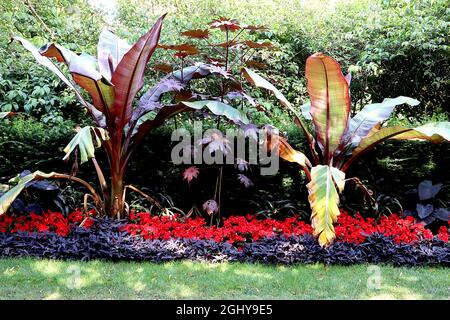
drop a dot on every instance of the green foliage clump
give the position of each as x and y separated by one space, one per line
26 143
26 86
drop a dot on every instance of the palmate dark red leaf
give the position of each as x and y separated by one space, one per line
196 34
163 67
183 50
225 24
128 76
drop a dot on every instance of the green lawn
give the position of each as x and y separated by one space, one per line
48 279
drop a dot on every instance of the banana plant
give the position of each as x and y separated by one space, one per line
112 80
338 139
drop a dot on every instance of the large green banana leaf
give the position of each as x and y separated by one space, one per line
324 187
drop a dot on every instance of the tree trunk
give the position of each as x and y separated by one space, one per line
117 204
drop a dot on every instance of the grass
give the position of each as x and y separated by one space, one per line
50 279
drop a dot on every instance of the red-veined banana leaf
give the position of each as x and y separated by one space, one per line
84 72
306 107
83 69
86 140
110 51
435 132
258 81
324 187
128 76
330 101
361 124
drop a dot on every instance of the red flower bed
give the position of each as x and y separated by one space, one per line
235 229
47 222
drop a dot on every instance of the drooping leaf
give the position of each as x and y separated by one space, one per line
423 211
241 95
8 198
45 61
361 124
258 81
219 109
280 146
38 185
86 140
151 100
330 101
435 132
428 190
128 76
49 64
324 200
110 51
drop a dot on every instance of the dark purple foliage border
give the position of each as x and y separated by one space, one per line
105 242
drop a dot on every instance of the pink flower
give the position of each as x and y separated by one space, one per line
190 173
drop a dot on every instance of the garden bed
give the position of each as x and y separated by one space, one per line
391 240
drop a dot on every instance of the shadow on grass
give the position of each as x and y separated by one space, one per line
49 279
